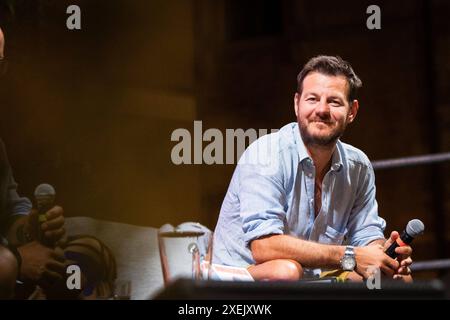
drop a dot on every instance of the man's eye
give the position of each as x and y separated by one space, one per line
311 99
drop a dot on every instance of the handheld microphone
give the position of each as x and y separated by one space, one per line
413 229
45 199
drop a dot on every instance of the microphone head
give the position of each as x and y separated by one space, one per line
44 190
415 227
44 194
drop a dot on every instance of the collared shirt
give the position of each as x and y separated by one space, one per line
272 192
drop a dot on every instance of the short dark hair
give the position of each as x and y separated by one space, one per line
333 66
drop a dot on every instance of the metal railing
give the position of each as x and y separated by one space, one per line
410 161
441 264
430 265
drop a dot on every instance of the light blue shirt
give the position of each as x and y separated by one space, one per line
272 192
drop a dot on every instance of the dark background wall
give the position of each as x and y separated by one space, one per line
92 111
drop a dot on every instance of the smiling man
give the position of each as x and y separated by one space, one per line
301 202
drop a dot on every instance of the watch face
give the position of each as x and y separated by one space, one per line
348 263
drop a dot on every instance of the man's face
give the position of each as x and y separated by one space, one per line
323 110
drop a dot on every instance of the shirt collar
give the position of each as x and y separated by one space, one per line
336 160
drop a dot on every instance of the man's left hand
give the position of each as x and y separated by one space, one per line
404 258
52 228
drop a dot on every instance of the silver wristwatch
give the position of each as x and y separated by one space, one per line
348 261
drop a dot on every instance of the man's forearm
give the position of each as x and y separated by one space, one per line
378 241
309 254
18 233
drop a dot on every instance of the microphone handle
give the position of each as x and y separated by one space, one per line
404 239
42 209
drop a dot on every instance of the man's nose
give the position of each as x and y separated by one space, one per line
323 108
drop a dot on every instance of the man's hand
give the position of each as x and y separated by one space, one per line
373 256
41 265
404 258
52 228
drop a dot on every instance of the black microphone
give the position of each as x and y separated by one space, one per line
413 229
45 200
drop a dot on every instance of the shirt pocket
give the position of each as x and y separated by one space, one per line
332 236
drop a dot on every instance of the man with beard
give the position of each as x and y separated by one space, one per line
300 201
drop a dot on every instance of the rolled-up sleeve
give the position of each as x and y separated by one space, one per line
263 202
12 205
16 204
365 225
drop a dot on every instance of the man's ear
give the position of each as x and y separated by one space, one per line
296 103
353 111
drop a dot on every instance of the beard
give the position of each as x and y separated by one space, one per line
321 139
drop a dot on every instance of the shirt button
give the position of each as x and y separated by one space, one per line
336 166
